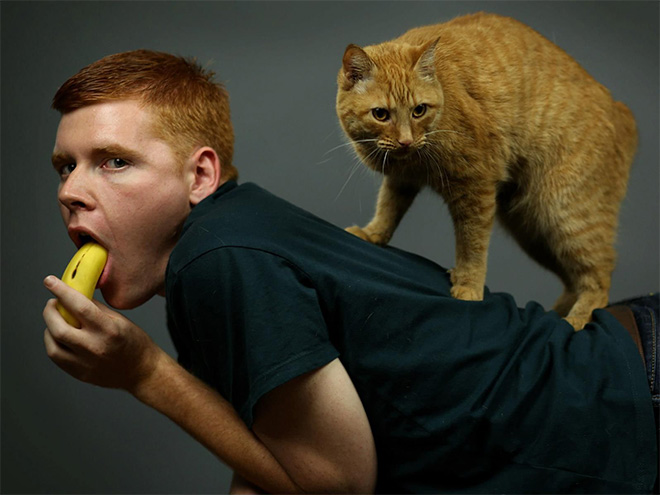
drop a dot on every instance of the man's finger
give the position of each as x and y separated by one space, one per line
60 332
57 351
63 357
76 303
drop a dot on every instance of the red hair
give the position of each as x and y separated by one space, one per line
190 109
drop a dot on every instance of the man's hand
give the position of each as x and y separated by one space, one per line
108 350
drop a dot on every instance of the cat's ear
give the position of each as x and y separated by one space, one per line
425 66
357 65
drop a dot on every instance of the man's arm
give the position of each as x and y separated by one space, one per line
316 427
111 351
241 486
208 417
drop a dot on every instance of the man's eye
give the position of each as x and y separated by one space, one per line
67 169
116 163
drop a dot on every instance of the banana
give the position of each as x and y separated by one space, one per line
82 273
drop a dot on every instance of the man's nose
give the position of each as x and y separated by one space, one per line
74 193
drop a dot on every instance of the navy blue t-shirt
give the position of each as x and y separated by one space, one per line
462 397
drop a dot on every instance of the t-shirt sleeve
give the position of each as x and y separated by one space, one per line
251 320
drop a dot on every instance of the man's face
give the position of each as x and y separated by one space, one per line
123 187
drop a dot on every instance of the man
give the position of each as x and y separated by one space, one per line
309 359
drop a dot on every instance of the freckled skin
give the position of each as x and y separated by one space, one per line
115 199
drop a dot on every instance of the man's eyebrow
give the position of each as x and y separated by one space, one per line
116 151
59 159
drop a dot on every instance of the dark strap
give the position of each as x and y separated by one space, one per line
626 317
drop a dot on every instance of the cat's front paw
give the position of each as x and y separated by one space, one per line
358 232
465 293
364 234
463 286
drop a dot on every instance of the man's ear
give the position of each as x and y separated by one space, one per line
205 169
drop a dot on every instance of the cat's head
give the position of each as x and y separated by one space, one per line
389 99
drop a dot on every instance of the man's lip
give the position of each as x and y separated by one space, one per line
104 275
81 236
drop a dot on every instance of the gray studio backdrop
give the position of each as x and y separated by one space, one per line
279 61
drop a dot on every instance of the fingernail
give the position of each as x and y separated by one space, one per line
49 281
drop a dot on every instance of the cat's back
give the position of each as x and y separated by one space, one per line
500 59
469 27
466 27
506 52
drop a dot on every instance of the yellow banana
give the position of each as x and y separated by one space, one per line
82 273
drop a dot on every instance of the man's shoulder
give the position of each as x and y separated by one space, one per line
241 217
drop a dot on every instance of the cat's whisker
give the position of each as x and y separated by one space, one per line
434 139
329 134
370 158
444 178
343 145
429 159
421 159
350 143
385 161
435 165
444 130
356 167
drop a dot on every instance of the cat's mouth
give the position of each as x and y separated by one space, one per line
386 156
390 160
400 152
404 150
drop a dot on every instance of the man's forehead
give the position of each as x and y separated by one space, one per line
120 125
111 116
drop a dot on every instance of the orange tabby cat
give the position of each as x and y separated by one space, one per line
499 121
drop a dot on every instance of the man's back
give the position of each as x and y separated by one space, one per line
260 292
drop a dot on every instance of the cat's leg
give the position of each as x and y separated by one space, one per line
394 199
595 255
565 302
576 245
473 213
572 234
583 243
592 288
537 244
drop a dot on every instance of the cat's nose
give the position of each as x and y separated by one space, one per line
405 135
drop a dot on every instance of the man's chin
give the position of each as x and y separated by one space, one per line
123 300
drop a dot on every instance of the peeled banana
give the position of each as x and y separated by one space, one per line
82 273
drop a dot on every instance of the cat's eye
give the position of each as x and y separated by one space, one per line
419 110
380 114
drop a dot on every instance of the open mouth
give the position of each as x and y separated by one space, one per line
82 237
